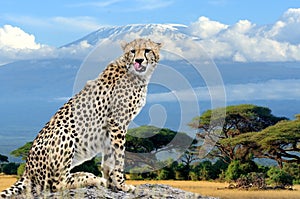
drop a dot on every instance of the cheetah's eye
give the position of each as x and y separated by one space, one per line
147 50
132 51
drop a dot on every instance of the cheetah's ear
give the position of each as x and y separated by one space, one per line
159 45
123 44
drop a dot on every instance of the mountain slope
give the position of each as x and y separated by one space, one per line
174 31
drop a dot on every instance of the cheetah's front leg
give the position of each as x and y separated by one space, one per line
113 165
83 179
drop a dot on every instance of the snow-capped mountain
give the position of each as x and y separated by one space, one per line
173 31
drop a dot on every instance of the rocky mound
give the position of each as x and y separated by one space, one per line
153 191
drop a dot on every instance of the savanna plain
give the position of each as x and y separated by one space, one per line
204 188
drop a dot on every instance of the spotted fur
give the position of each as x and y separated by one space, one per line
93 121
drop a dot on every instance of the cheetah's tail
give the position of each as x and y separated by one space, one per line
15 189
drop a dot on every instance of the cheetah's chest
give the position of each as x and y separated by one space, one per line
122 103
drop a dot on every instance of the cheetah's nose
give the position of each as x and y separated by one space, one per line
139 61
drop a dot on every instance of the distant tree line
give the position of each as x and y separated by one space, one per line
244 134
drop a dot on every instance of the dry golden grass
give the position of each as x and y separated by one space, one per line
211 189
203 187
6 181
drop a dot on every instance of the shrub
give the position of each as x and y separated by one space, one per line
236 168
193 175
279 177
204 171
10 168
219 168
263 169
294 170
135 176
181 172
233 171
222 176
21 169
164 174
89 166
142 173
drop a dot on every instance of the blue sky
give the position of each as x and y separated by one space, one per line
58 22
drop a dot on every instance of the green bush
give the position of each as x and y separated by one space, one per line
236 169
233 171
201 171
279 177
248 167
263 169
222 176
218 169
294 170
21 169
88 166
135 176
206 170
181 172
193 175
10 168
142 173
164 174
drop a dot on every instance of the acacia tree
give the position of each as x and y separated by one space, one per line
190 156
145 143
280 142
22 151
238 120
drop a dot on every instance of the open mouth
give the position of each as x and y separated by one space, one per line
139 67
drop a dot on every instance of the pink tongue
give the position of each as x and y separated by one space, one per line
137 66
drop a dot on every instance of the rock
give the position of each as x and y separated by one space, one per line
149 191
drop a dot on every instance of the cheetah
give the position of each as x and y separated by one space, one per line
93 121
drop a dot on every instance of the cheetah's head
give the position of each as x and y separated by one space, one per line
141 56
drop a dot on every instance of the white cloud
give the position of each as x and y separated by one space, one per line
15 44
15 38
270 90
287 29
242 27
79 50
205 28
245 41
242 44
238 57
